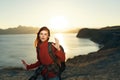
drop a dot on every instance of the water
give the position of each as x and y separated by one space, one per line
13 48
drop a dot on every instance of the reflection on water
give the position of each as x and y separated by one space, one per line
13 48
60 37
74 46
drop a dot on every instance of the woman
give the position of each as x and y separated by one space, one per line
43 57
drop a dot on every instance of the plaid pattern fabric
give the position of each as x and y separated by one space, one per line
37 72
53 68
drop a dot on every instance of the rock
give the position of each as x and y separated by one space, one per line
108 37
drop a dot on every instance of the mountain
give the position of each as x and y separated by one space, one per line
30 30
19 30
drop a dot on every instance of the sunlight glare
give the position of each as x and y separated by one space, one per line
59 36
59 23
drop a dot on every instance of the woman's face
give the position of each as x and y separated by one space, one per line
43 35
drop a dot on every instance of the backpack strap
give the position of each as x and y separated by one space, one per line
51 52
54 58
52 55
38 52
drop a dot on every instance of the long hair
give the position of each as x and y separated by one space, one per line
37 40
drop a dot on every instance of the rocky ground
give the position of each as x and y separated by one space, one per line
105 66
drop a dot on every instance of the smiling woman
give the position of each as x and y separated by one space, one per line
59 23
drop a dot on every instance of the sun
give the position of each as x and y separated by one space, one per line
59 23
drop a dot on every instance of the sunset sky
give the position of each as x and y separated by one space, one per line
59 13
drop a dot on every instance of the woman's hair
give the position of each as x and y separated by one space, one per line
37 40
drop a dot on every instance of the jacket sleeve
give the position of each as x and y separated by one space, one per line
34 65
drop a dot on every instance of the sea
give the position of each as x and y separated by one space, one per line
17 47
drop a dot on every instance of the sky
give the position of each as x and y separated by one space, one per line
64 14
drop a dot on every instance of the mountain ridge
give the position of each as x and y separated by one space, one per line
31 30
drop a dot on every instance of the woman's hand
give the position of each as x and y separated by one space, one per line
56 45
24 63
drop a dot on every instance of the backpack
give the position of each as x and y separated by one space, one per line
63 65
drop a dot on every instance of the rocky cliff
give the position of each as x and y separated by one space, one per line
109 37
103 64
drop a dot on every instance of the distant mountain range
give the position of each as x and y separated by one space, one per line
19 30
28 30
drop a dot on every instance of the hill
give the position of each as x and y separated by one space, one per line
20 30
30 30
